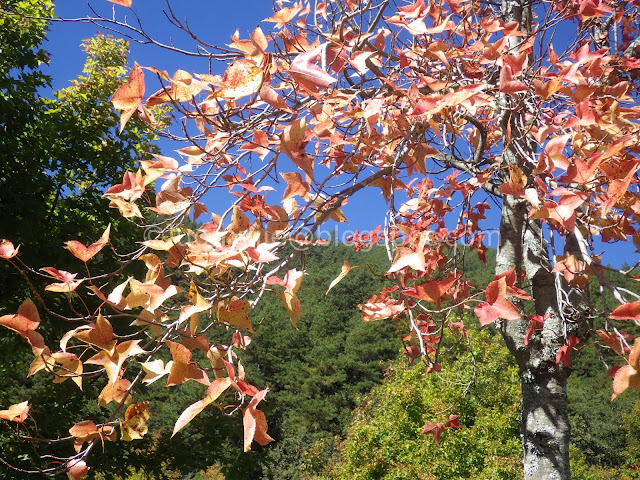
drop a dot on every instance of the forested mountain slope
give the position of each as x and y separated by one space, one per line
332 365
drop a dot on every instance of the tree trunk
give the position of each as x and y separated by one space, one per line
545 423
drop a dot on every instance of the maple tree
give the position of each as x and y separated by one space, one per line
452 109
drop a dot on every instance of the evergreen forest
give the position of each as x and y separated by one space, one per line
346 403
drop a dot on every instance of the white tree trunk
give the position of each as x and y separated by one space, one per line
545 422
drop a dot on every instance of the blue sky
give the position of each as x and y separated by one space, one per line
215 21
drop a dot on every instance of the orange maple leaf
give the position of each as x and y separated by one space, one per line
16 413
285 15
134 425
129 95
628 311
113 361
433 290
291 284
25 321
255 423
628 375
183 368
77 468
292 142
497 305
381 310
242 78
217 388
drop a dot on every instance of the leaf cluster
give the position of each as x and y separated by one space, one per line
59 151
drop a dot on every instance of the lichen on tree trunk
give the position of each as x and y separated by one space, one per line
545 423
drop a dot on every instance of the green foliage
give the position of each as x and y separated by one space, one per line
602 430
597 423
211 473
21 34
583 469
317 373
134 473
385 443
605 435
474 269
58 155
59 159
481 385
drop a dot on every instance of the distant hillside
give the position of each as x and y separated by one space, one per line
319 373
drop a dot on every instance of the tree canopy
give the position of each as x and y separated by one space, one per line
59 151
466 116
385 442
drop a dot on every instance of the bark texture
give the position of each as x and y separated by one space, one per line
545 422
